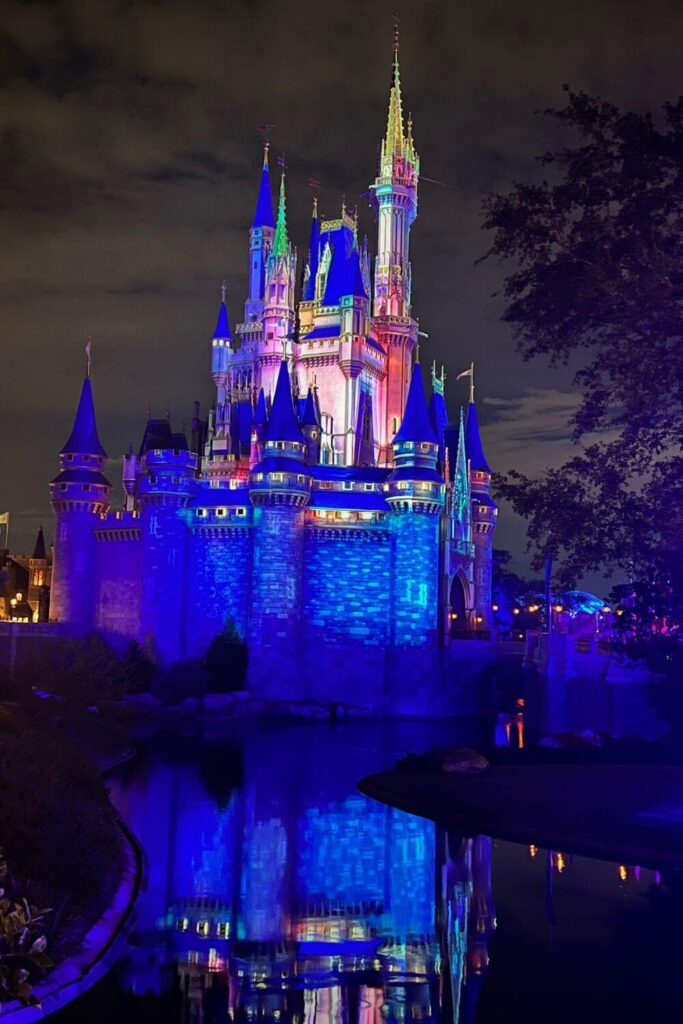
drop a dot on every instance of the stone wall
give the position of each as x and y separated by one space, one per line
118 596
219 572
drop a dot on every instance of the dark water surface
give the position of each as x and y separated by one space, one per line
276 892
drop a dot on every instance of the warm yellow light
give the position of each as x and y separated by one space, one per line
480 618
558 608
533 850
607 609
515 611
561 864
531 608
623 872
13 602
620 611
19 596
494 607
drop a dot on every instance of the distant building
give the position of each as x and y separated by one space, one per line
325 507
25 584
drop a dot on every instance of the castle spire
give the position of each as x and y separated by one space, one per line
416 426
39 547
313 254
394 139
282 422
84 439
263 217
281 242
473 445
223 324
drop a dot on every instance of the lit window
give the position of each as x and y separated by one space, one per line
277 478
241 511
183 924
368 487
220 511
223 929
203 929
300 478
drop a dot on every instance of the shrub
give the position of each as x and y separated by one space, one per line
226 660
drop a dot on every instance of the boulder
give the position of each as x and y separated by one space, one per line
464 761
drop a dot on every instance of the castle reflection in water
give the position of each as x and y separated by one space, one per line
276 891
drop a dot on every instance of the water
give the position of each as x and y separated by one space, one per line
276 892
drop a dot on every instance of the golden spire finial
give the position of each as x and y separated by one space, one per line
266 147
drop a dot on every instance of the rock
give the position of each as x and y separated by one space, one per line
464 761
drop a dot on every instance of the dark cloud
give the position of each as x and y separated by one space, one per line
128 165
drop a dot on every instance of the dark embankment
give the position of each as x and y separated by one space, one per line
628 812
59 832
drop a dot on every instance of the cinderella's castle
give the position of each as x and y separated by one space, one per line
326 508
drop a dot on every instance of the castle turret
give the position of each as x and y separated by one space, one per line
221 351
80 495
279 310
395 199
310 427
280 485
484 514
165 485
260 244
258 426
39 579
416 497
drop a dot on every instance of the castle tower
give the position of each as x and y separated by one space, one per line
38 577
279 310
80 495
261 237
395 199
221 350
416 497
310 428
279 488
165 486
258 426
484 514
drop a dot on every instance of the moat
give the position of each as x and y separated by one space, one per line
275 891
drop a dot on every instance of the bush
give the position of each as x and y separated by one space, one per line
226 660
57 826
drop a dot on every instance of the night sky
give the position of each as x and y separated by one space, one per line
128 170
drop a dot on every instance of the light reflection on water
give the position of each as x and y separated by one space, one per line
276 892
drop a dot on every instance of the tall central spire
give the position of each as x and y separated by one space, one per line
394 139
281 242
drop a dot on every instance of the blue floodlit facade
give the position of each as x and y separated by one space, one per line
325 507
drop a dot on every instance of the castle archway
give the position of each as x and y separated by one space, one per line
459 603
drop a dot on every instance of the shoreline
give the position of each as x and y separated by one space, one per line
556 807
101 946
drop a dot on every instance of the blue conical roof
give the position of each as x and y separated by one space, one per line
473 448
83 439
261 412
282 422
354 284
222 324
438 415
309 416
313 257
416 426
263 217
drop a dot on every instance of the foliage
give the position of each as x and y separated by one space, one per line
180 681
57 825
22 944
648 622
137 669
73 674
599 278
226 660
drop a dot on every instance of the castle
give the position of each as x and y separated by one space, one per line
326 508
